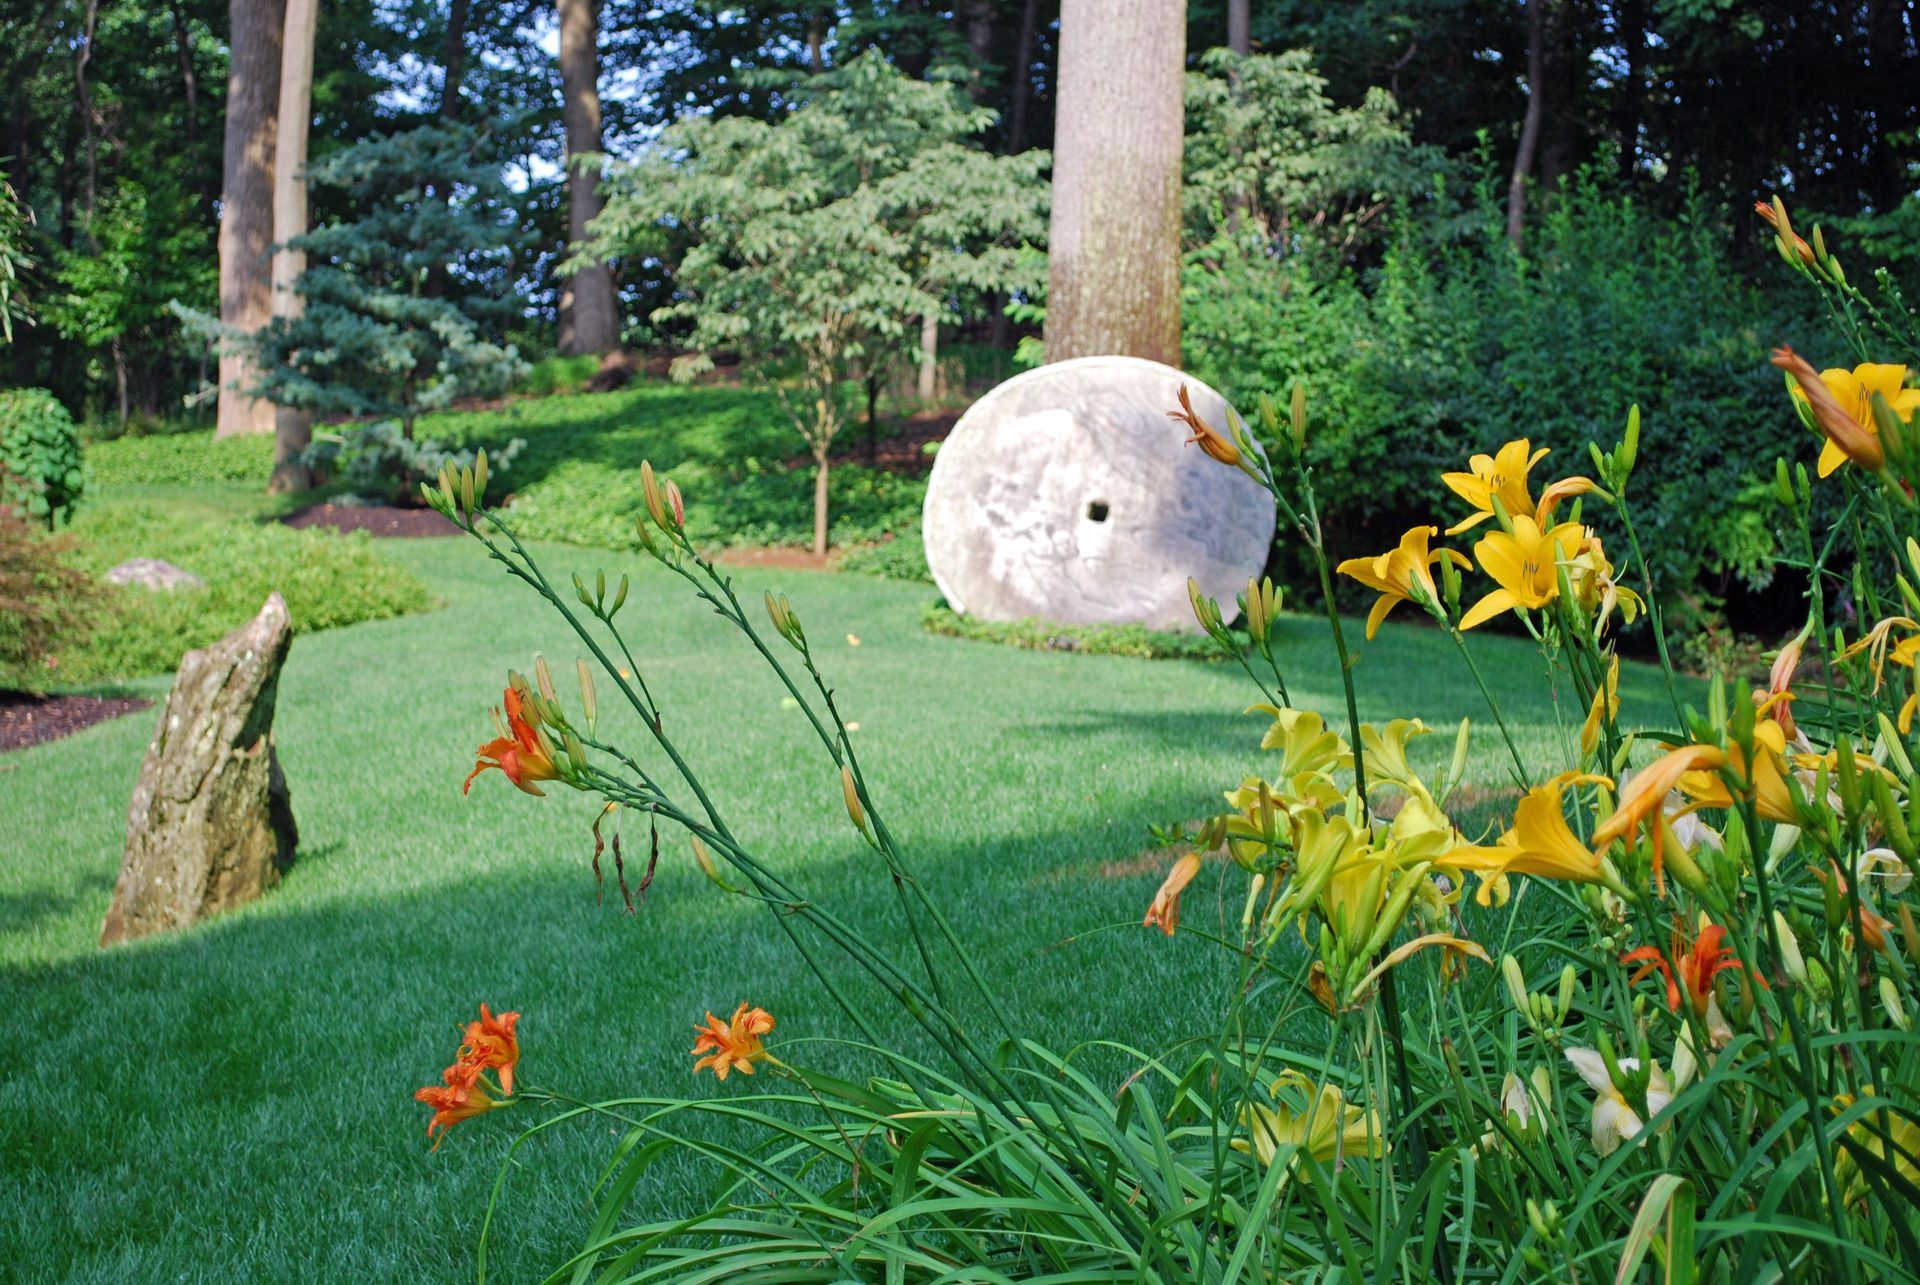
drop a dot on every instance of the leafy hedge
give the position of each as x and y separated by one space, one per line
181 459
1456 347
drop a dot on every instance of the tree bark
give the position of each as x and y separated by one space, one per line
589 319
246 211
820 501
292 426
1022 73
1523 157
1240 26
975 20
189 82
929 355
456 59
1113 279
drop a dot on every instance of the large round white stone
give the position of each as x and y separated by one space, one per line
1068 494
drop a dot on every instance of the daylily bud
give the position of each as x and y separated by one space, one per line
1791 960
466 489
599 587
1297 416
1569 980
646 536
1890 1000
704 859
1628 451
544 676
678 505
576 752
480 476
650 490
777 614
619 598
1516 987
589 699
857 813
580 592
1782 484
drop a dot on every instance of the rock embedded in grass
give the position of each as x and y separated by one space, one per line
154 573
211 823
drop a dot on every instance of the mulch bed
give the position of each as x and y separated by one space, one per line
381 520
29 720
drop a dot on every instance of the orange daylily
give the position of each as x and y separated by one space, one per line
490 1044
1644 798
1696 967
462 1097
522 753
1205 436
1401 575
1842 405
1771 218
1772 797
733 1044
1524 563
1164 913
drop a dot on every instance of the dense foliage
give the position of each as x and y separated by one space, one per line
41 472
43 601
379 461
816 246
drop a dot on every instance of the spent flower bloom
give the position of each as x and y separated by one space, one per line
1208 438
522 751
732 1045
1328 1128
1164 912
1614 1120
491 1044
1841 403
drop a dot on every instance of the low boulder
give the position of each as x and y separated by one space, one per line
154 573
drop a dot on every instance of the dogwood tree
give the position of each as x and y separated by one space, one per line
816 244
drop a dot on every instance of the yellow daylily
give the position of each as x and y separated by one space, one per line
1540 843
1599 593
1841 403
1904 1133
1328 1129
1404 574
1524 563
1502 474
1773 800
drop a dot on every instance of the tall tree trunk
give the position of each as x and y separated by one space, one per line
1523 157
1022 73
246 204
816 42
820 501
189 82
589 319
292 427
1240 26
83 103
456 59
975 20
1113 277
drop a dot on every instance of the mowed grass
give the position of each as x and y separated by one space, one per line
235 1101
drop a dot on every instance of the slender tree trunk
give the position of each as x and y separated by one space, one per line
975 20
1240 26
1633 41
1113 279
589 318
246 210
873 417
816 43
820 500
189 82
292 426
1022 73
83 103
929 355
456 59
1523 158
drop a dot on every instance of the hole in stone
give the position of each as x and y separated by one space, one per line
1097 511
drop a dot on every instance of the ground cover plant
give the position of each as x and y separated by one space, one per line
1751 1111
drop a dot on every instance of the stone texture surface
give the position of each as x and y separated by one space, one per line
154 573
1066 493
211 825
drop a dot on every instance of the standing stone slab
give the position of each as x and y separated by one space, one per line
211 826
1068 494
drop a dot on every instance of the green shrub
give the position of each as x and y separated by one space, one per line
1456 347
902 558
181 459
552 375
380 461
40 466
328 580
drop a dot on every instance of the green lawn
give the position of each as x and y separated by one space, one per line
235 1101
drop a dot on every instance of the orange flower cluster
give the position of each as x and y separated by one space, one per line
522 752
732 1045
487 1045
